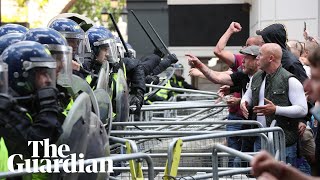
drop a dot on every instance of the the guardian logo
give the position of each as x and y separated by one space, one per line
50 162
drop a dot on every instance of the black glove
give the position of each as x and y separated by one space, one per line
152 79
158 52
46 100
173 58
137 100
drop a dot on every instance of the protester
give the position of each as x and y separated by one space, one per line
272 95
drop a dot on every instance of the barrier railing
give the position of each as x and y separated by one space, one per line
176 143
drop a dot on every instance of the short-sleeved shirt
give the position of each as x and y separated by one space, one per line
240 79
238 58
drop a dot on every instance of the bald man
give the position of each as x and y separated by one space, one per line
277 33
274 93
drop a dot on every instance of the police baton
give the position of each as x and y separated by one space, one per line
119 33
144 29
155 32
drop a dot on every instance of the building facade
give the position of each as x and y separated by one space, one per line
189 26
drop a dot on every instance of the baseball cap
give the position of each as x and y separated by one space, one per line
250 50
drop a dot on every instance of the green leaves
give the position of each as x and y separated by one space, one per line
92 9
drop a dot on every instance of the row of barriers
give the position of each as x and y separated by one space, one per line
178 140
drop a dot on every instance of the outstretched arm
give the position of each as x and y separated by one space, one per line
214 76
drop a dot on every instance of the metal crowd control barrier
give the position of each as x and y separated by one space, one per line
215 171
178 146
173 98
220 173
182 90
170 110
117 158
186 123
175 106
193 116
131 147
274 141
174 149
170 132
156 123
219 147
184 161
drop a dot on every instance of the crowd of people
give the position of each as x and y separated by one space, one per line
271 79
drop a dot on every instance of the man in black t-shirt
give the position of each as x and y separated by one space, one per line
238 79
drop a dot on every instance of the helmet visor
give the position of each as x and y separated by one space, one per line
178 71
44 77
112 54
76 44
63 58
73 35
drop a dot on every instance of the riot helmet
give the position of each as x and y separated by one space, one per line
59 50
12 28
178 69
74 35
102 44
30 67
8 39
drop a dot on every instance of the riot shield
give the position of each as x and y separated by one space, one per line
76 128
103 79
79 85
98 146
164 77
105 107
122 98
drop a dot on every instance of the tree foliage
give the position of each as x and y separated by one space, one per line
22 12
41 3
92 9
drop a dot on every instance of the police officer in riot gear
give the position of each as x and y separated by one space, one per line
76 38
177 80
103 48
62 53
100 38
30 111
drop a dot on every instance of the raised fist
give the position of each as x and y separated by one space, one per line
235 27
